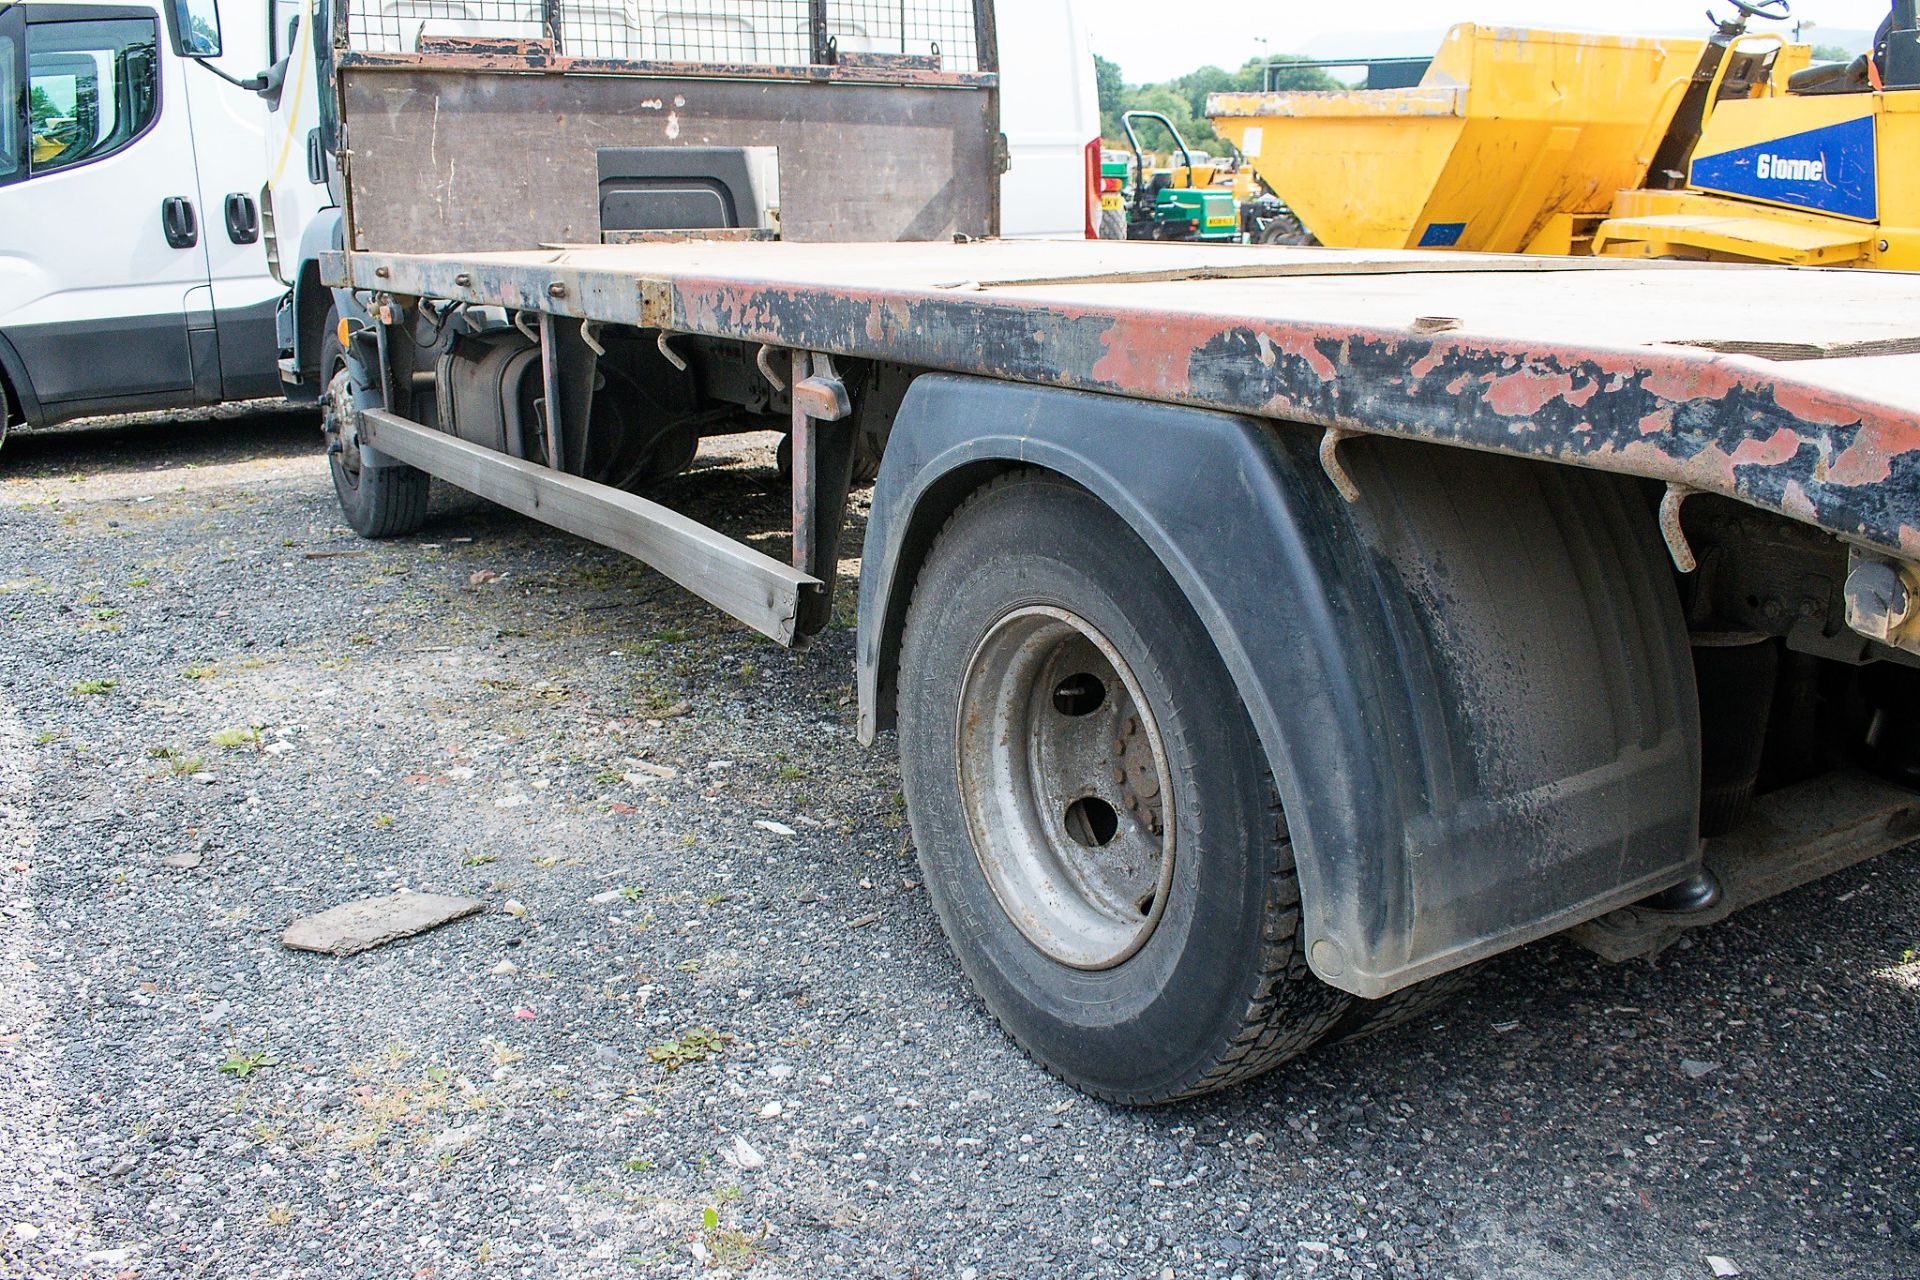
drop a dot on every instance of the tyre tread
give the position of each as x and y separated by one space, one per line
1288 1009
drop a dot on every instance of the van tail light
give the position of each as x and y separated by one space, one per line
1093 189
1109 186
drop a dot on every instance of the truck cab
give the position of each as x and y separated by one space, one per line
132 276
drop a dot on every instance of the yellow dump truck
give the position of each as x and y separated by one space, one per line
1734 147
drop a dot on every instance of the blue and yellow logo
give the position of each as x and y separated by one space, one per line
1828 170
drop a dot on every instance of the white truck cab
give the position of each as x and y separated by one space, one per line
132 275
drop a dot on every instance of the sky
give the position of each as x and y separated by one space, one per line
1152 40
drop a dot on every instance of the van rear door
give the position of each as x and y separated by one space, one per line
229 137
1050 113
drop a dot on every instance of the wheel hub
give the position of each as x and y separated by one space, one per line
1064 781
340 420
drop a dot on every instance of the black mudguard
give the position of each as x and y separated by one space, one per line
1473 685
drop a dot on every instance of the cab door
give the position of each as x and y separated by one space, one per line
229 135
296 160
105 229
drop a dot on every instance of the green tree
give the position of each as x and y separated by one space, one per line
1183 100
1107 82
1831 53
1290 77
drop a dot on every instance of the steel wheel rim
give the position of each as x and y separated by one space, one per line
341 421
1064 783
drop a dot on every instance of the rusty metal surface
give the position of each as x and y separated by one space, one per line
464 162
469 54
1602 369
768 596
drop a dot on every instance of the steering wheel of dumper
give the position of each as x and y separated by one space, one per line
1772 10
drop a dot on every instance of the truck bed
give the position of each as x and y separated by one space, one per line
1794 390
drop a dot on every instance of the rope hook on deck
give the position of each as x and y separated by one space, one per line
674 358
1670 529
590 334
1330 462
763 360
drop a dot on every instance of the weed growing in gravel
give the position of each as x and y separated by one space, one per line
695 1044
383 820
45 738
240 1064
182 763
204 671
479 859
731 1250
238 738
139 580
94 688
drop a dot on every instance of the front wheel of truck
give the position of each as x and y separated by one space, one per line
379 501
1093 812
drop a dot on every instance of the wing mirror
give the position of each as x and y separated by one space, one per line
195 27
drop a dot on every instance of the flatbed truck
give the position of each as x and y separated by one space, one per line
1270 634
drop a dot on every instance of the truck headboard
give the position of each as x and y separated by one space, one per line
471 125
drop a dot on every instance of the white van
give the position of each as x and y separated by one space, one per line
132 276
1050 113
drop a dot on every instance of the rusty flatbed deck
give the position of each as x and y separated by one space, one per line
1794 390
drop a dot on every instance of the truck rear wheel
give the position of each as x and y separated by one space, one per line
378 502
1092 809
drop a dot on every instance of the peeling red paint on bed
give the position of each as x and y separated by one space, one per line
1428 363
1758 431
1777 448
1140 355
1525 392
1306 346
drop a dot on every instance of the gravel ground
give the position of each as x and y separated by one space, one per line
679 1042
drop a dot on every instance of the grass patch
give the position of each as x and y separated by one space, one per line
94 688
182 763
236 739
695 1044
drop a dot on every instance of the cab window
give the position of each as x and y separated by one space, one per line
92 87
10 162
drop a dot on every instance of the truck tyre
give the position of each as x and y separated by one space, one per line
1113 224
1093 813
1365 1018
378 502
